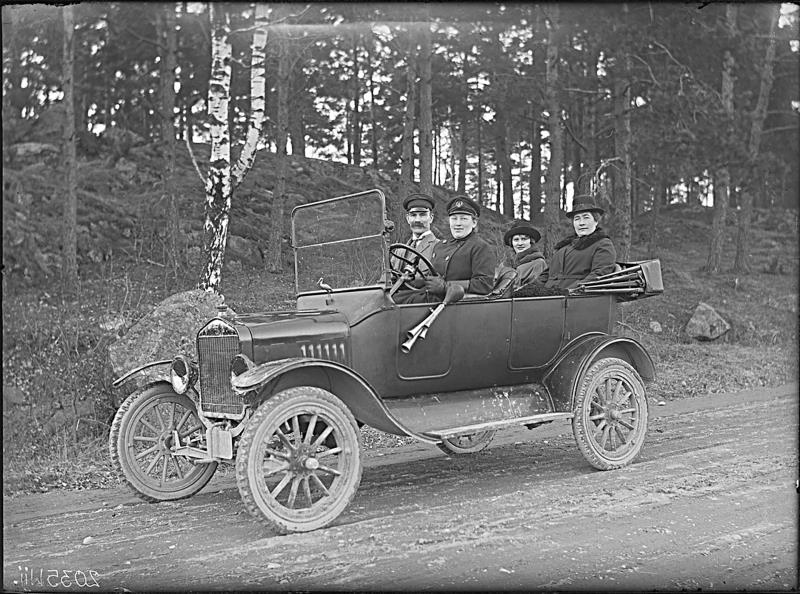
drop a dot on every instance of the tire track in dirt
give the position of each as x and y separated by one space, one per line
713 493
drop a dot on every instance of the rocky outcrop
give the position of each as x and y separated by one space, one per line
168 330
706 324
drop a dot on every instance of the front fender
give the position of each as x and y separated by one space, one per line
119 381
564 376
259 383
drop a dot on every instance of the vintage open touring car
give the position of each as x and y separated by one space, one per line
284 393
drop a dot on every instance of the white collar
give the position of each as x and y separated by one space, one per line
428 232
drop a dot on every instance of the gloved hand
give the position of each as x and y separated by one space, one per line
435 285
418 282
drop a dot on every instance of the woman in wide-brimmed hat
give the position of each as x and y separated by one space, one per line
588 253
528 259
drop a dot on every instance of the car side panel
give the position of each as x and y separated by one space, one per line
537 331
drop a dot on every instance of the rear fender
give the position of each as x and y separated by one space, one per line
564 376
260 383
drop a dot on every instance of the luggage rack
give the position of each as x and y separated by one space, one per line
633 280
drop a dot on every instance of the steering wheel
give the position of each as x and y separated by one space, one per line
410 270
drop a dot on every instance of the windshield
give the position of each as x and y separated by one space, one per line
339 241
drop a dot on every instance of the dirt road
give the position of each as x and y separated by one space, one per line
712 503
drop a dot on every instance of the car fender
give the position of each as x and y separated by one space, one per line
120 380
564 375
260 382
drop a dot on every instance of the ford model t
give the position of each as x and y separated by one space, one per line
284 394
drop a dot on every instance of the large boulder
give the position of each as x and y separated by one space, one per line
706 324
168 330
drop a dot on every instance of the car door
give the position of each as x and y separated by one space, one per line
465 348
537 331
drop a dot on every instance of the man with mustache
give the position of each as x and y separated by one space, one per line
419 216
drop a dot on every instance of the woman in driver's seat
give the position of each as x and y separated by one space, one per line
465 259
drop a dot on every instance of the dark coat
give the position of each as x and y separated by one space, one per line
581 258
529 265
469 259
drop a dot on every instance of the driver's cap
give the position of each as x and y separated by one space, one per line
418 203
463 205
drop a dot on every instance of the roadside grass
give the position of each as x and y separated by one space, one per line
55 348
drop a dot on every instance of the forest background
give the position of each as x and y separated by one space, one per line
151 148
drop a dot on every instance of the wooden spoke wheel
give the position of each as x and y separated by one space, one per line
610 422
466 444
141 444
299 460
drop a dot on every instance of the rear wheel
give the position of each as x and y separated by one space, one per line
299 460
467 444
610 422
141 443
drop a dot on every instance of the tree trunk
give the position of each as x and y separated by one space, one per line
622 148
356 104
741 262
258 96
168 40
535 200
407 155
218 186
659 192
425 113
373 125
504 181
282 127
722 178
553 184
479 126
70 249
461 186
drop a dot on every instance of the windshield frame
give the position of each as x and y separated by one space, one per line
383 235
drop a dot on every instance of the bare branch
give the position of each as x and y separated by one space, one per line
575 138
574 90
794 128
133 33
194 160
652 76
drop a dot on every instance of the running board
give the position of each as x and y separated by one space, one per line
501 424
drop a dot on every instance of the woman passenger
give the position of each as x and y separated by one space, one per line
587 254
528 259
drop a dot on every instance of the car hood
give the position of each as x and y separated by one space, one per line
294 325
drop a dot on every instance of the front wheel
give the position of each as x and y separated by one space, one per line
610 422
299 460
467 444
141 444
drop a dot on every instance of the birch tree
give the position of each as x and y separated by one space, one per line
222 177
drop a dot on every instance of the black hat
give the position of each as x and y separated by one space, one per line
583 203
418 201
521 229
463 205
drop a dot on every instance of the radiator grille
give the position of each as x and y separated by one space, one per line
214 353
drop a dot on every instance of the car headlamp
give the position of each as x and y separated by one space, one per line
182 374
